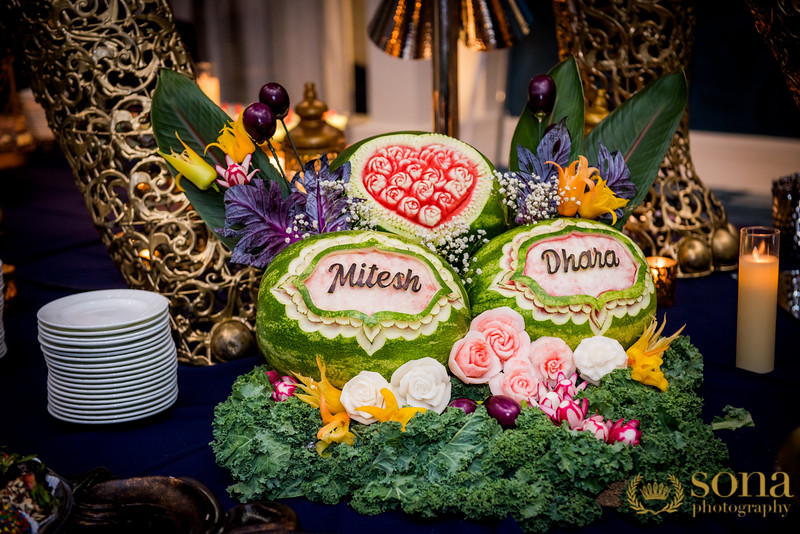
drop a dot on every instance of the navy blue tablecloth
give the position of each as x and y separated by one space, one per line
47 234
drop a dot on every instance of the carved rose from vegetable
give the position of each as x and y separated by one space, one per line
473 360
597 356
504 330
518 381
422 383
364 389
550 357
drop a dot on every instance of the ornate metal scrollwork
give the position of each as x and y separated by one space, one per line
620 48
93 66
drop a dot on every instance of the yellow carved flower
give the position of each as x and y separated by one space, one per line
315 390
191 165
583 192
644 356
235 141
391 412
600 199
336 429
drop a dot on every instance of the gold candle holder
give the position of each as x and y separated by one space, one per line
664 271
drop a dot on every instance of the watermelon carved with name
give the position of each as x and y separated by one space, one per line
361 300
569 278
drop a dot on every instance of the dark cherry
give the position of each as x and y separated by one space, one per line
541 94
275 96
259 121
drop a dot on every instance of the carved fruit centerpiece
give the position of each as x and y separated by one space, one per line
362 301
572 278
426 186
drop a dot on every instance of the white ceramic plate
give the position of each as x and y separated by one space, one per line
158 336
104 333
114 372
103 364
117 418
114 385
103 341
102 310
121 403
111 411
73 394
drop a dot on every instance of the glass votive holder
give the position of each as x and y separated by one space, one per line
758 298
665 272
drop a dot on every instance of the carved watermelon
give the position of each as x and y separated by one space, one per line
362 301
569 278
425 186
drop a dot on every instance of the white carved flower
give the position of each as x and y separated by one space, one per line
422 383
597 356
364 389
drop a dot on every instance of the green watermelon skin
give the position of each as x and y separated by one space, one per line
490 219
291 347
484 293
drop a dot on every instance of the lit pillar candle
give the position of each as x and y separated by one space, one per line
758 299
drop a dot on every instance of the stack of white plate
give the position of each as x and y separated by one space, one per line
110 356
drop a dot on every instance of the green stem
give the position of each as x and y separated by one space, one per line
289 137
277 161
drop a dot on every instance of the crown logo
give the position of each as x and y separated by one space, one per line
655 491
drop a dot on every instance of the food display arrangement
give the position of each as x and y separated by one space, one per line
441 337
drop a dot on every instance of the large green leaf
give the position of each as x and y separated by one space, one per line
641 128
569 104
180 108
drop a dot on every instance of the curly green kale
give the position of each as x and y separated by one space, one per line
464 465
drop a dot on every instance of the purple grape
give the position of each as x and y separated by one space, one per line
259 121
503 409
275 96
468 405
541 94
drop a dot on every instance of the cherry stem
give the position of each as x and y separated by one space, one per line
289 137
277 161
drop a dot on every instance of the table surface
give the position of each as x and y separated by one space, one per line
47 234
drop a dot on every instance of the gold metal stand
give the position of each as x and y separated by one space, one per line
93 67
620 48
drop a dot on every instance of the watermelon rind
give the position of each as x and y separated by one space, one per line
484 211
497 279
292 329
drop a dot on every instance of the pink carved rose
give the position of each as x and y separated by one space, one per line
408 206
551 356
422 189
380 165
402 180
375 183
504 314
473 360
392 195
518 381
429 215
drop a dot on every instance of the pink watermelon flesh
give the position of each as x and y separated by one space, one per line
427 186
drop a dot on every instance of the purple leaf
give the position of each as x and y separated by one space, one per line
616 174
261 220
326 204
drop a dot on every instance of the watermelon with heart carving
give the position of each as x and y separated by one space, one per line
569 278
426 186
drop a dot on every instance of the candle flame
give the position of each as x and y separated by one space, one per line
756 255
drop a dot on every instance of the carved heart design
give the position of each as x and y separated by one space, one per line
425 185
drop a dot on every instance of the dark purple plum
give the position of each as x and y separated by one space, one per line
541 94
259 121
468 405
503 409
275 96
